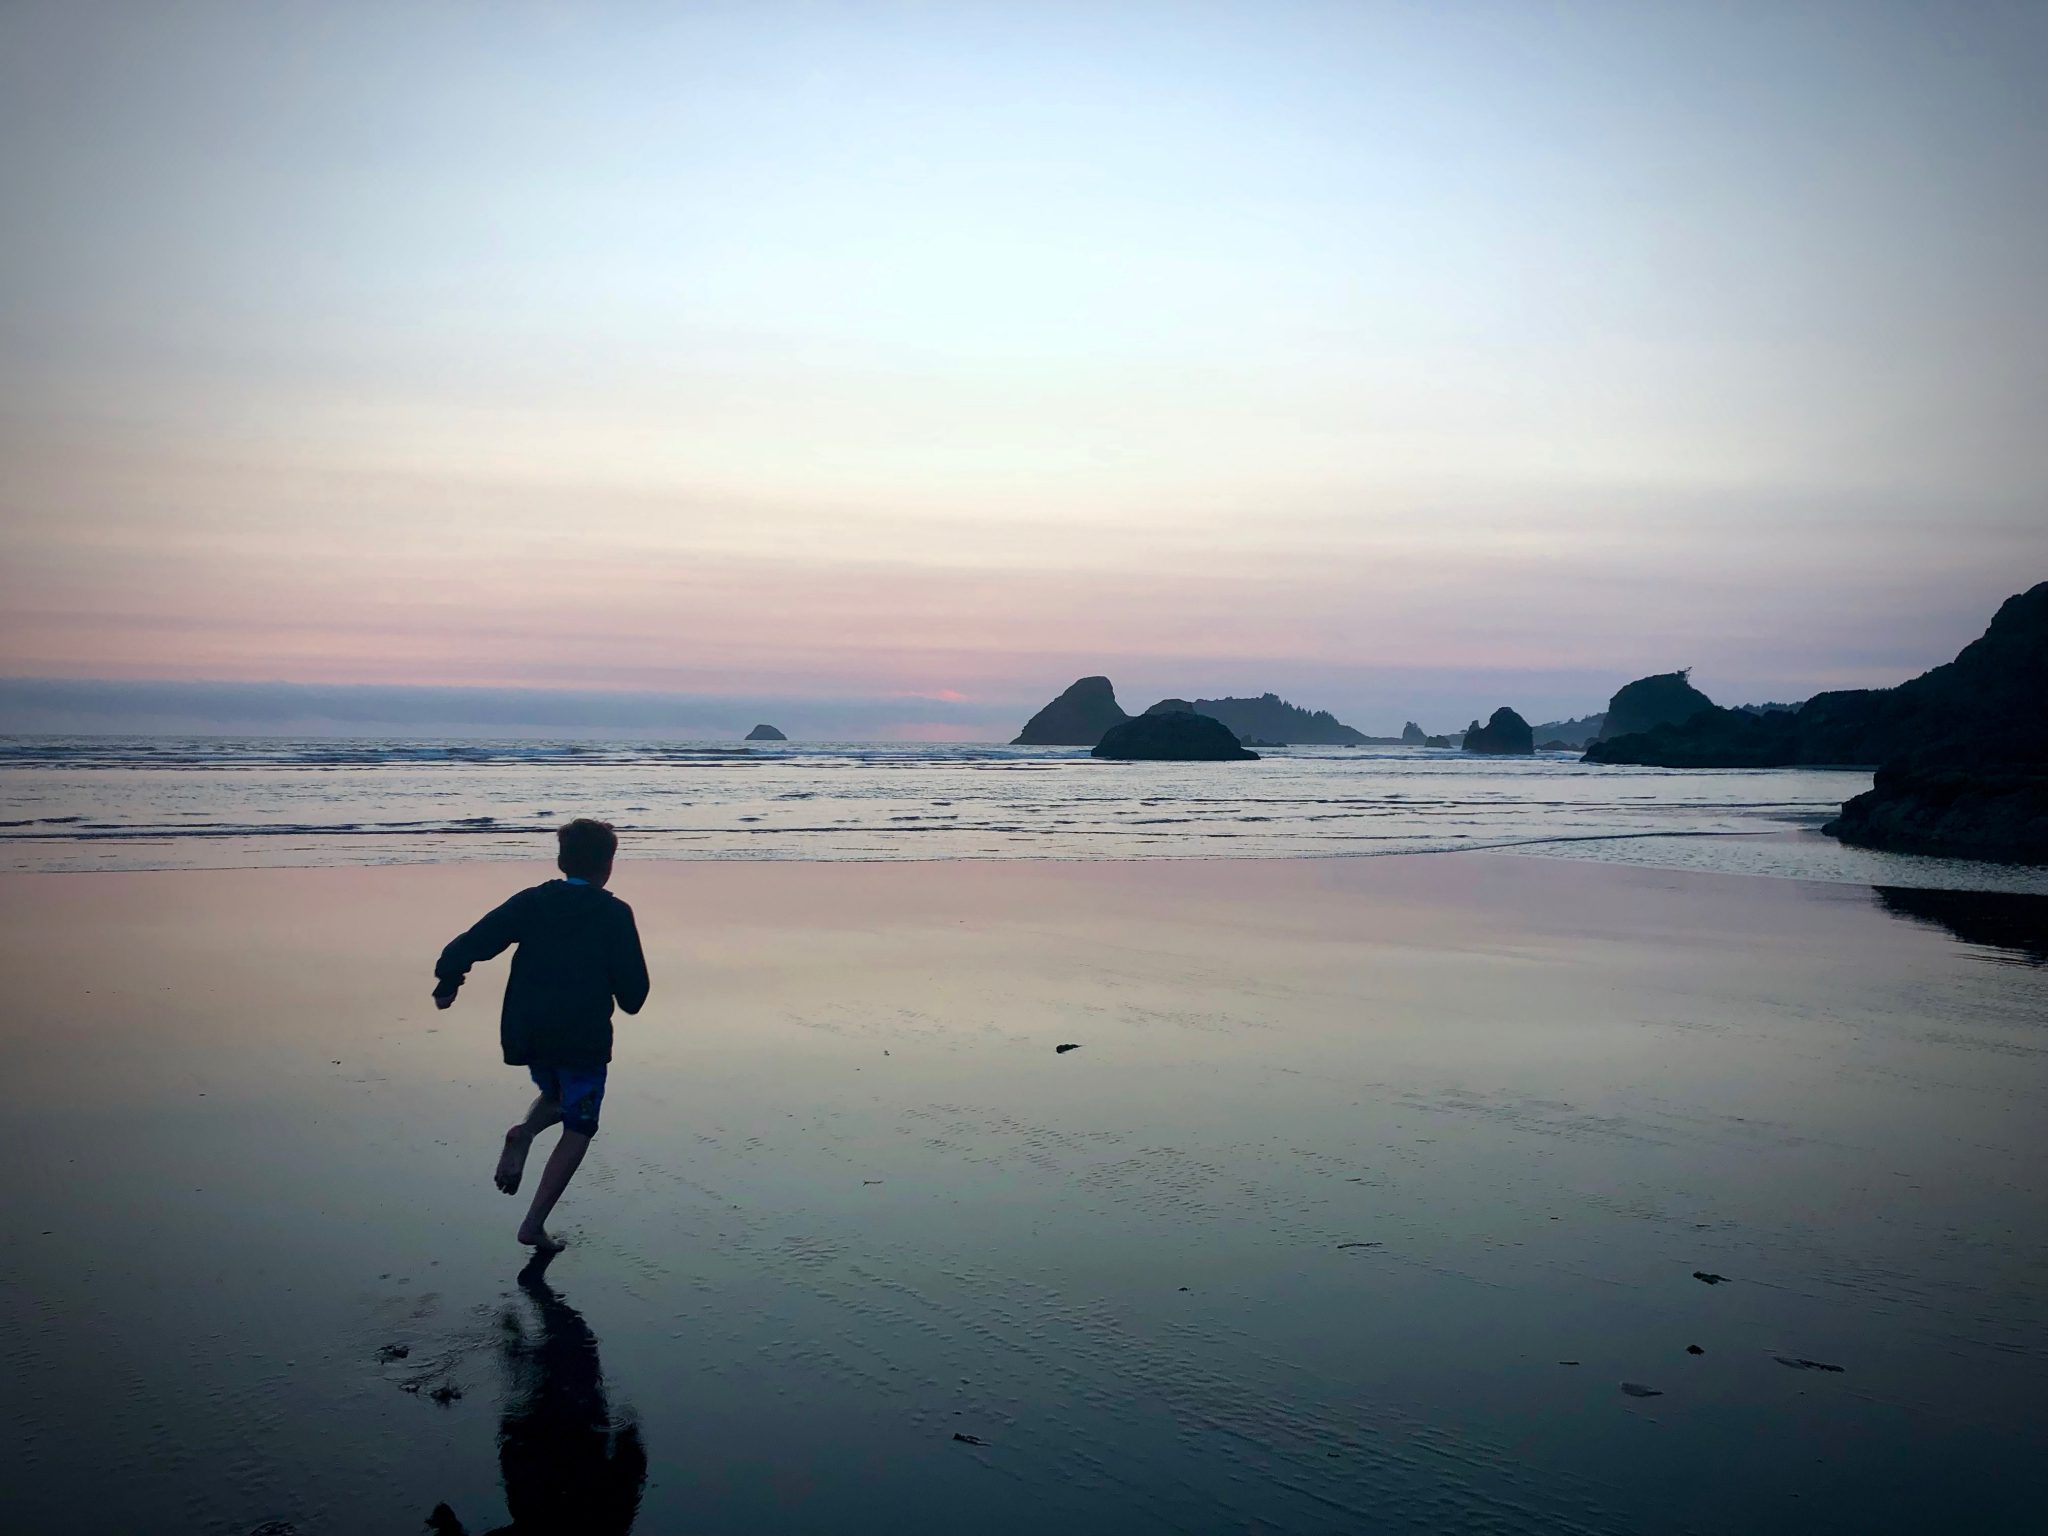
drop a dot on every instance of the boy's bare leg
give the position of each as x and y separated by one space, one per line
512 1161
554 1178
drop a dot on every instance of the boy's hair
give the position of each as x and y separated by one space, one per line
587 847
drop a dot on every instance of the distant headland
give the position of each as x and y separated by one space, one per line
1961 751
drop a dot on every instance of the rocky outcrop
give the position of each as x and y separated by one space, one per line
1270 718
1668 698
1413 735
1080 717
1443 741
1507 734
765 733
1981 800
1179 736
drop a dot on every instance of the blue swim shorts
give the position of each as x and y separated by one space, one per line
579 1090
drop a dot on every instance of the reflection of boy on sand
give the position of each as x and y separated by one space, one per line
579 952
567 1470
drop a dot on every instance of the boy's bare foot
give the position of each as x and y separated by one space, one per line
512 1161
538 1240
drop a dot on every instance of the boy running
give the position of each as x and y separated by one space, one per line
578 953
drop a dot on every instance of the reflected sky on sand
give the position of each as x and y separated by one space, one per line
1369 1186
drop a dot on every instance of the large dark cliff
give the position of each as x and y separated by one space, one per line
1997 687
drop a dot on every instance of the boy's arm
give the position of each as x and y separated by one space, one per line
628 966
493 933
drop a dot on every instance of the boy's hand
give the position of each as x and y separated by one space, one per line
443 999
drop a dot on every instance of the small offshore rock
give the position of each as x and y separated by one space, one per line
1175 737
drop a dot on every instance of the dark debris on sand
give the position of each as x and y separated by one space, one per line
1702 1275
1061 1050
1637 1389
1694 1349
1800 1364
389 1352
968 1439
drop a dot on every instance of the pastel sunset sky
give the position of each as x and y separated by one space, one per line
900 363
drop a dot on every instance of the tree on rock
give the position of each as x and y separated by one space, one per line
1669 698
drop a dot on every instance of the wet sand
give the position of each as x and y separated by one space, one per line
1354 1156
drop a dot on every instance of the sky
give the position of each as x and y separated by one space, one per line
879 369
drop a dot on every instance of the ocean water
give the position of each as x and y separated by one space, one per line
84 803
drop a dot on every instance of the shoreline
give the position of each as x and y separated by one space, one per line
1881 870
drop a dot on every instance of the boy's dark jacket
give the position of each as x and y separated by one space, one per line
578 950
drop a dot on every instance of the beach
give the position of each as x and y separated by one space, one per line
1369 1185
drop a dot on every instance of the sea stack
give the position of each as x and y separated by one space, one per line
1669 698
765 733
1507 734
1077 718
1413 735
1178 736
